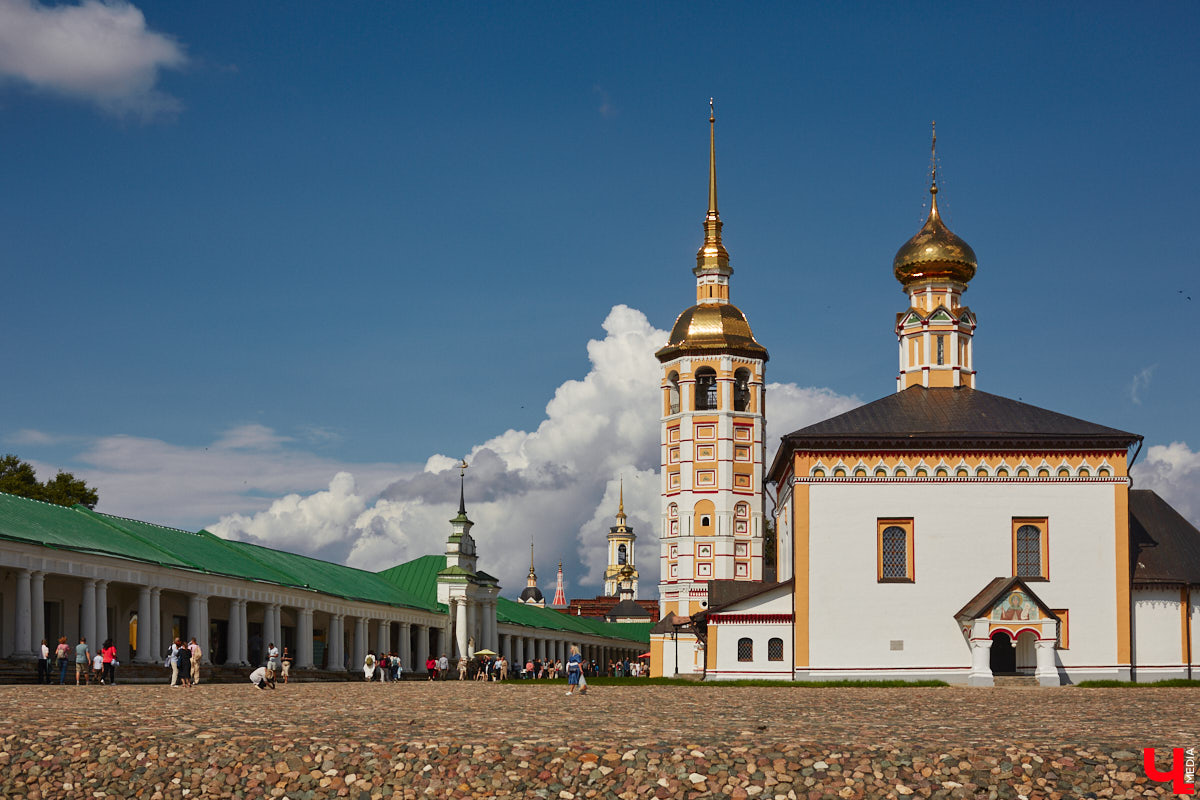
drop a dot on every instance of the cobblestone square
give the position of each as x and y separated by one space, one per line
418 739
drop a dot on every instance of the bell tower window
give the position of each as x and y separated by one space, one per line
673 393
741 389
706 389
622 554
941 345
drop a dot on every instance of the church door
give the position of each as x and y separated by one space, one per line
1004 655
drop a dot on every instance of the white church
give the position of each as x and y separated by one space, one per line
940 532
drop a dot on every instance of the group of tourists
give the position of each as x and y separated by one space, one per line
98 667
383 667
184 661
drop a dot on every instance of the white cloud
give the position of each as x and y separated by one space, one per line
557 484
1141 383
1172 470
101 52
240 472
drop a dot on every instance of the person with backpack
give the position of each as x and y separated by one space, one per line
63 654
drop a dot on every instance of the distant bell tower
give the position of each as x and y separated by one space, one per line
621 564
712 434
935 332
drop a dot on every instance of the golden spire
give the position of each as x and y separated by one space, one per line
621 505
712 255
933 209
531 573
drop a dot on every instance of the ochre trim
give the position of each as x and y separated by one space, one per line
1064 627
800 534
1185 609
710 651
1124 629
720 619
1043 525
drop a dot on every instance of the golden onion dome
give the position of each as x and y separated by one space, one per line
712 327
935 253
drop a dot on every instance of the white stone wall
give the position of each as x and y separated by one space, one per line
963 539
1158 634
726 636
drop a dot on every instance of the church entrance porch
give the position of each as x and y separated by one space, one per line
1010 632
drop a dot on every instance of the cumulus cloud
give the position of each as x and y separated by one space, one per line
1172 470
239 472
557 485
101 52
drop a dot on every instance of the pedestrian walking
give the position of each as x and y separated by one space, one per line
43 663
575 672
286 664
83 658
196 653
108 660
63 654
183 665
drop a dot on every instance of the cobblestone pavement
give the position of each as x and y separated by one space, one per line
480 740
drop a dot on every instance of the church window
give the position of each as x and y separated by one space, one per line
775 649
673 393
741 389
896 550
745 649
622 554
941 345
705 521
1030 549
706 389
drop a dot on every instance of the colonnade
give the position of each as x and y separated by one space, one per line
520 648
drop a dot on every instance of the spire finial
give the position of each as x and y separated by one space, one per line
462 497
712 161
933 159
712 255
621 504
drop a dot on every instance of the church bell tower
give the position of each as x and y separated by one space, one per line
712 433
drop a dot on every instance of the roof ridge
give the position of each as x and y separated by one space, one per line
134 519
103 519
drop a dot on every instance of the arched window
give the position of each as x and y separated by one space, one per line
741 389
745 649
673 393
706 389
1029 552
775 650
622 554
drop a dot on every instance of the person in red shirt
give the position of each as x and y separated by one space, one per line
108 655
431 668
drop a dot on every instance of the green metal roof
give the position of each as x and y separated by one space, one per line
82 530
516 613
417 577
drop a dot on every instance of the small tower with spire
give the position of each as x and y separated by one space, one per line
935 332
713 433
621 563
531 595
560 594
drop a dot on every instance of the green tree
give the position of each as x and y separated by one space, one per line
18 477
768 544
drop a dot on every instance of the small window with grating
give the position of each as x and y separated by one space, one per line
745 649
775 649
895 550
1029 549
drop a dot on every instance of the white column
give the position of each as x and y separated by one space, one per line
981 663
383 634
406 646
232 634
243 633
101 614
422 646
361 625
469 648
518 653
89 613
461 627
202 635
193 618
146 649
1046 672
304 639
335 642
156 642
37 600
441 640
24 620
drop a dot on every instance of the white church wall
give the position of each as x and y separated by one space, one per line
860 627
729 667
1194 595
1157 634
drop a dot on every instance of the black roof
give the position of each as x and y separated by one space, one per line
626 609
923 418
991 594
1166 547
532 593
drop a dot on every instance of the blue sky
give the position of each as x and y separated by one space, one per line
347 240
